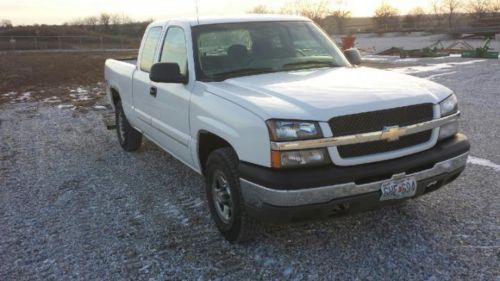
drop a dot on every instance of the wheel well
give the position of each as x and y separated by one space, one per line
115 95
208 142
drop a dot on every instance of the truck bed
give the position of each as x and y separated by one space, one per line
128 60
119 75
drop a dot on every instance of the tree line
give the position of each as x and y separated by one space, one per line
441 12
107 22
104 24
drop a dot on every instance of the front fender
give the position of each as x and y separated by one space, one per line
243 130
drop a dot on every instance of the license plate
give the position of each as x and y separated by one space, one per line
398 189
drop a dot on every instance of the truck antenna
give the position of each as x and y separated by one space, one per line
197 15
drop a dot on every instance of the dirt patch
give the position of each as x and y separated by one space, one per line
50 75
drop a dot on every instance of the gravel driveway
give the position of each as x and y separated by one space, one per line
74 206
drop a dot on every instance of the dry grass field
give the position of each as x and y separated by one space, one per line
49 74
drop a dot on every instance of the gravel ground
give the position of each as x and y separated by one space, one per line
74 206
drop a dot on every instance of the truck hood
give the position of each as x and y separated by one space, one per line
321 94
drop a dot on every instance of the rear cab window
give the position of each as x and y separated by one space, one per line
149 48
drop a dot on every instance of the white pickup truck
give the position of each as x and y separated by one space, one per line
282 125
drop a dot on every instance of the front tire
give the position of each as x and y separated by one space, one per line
129 138
224 197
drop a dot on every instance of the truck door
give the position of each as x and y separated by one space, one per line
141 83
170 114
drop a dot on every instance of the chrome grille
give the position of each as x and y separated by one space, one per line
378 120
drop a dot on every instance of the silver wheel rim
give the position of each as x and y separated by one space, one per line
221 197
121 127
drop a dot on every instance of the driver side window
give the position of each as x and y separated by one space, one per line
174 48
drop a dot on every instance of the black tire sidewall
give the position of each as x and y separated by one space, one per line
130 139
120 117
232 229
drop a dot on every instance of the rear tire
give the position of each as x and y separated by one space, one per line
129 138
225 199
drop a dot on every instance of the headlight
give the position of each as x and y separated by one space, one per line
282 130
449 106
290 130
299 158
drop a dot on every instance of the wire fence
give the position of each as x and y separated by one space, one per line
21 43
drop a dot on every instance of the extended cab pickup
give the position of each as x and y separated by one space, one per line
282 125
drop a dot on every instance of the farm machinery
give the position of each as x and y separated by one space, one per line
485 52
438 49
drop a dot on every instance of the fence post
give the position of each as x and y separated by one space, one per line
102 43
13 43
81 43
36 42
59 42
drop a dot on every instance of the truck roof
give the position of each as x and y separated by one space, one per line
233 19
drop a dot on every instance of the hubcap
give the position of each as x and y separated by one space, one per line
221 197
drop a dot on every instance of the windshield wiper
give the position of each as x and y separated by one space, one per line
243 72
311 63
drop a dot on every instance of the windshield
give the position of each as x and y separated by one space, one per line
224 51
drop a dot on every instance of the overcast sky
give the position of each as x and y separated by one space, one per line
60 11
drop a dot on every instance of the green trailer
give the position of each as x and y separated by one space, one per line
484 52
433 51
423 53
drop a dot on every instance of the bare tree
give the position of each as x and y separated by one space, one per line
104 20
437 13
119 18
495 7
436 7
340 15
479 8
316 10
415 18
5 23
115 20
451 8
386 16
260 9
91 22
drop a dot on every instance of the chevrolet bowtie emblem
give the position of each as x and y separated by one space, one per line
392 133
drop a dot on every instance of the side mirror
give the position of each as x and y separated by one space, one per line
353 56
167 73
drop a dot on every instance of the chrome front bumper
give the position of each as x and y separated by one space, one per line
257 195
